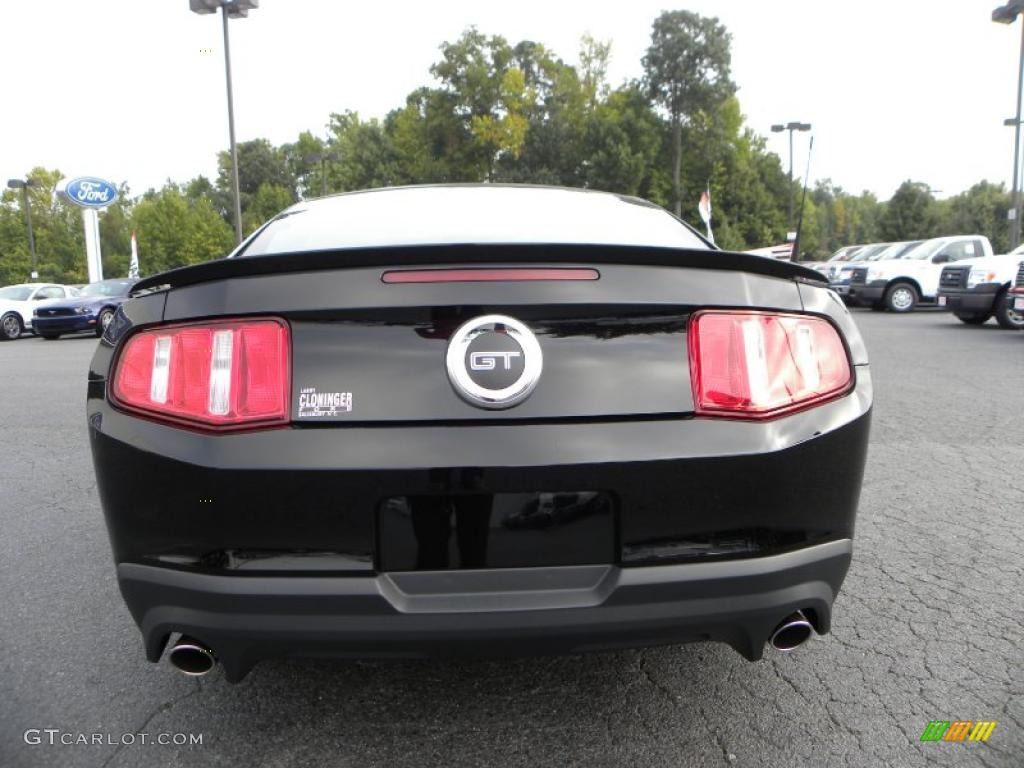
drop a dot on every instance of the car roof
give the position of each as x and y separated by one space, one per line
444 214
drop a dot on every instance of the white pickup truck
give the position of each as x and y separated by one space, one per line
977 289
900 284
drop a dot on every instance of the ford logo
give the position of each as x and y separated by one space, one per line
90 192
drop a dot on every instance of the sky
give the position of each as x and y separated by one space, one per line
134 91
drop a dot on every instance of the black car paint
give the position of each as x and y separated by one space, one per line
688 491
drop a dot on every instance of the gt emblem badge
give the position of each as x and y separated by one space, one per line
494 361
484 361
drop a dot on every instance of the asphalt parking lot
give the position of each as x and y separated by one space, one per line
928 626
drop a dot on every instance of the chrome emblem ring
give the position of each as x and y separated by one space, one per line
494 361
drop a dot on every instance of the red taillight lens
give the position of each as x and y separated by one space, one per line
219 375
753 365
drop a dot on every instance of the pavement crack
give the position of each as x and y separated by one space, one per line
159 709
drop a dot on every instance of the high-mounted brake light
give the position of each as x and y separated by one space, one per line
754 365
220 375
488 275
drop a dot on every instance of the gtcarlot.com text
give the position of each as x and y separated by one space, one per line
56 737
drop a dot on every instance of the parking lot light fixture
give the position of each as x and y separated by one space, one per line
24 185
793 126
1007 14
233 9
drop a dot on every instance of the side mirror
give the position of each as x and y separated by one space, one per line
941 258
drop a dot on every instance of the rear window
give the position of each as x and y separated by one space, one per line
471 214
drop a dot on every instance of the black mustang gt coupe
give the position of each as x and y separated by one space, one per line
478 419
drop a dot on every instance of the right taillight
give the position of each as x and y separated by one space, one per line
219 375
757 365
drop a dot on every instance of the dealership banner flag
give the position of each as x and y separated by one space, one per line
704 208
133 266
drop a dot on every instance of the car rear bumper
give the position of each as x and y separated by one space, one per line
981 299
269 543
244 619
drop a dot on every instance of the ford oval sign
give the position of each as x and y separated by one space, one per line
90 192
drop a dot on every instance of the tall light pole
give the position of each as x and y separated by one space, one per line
23 185
235 9
794 126
1010 123
1007 14
322 158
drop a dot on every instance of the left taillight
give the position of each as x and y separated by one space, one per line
221 375
758 365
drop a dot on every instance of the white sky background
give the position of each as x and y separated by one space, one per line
895 89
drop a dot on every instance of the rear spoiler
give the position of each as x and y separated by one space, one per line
427 255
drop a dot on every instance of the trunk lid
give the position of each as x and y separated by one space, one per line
367 351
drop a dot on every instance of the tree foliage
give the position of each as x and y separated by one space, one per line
503 112
173 230
687 73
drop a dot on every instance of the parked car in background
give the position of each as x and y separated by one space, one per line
830 268
895 250
840 283
899 285
977 289
18 301
782 251
92 310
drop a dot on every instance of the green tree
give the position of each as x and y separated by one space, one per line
259 162
910 214
268 201
116 236
622 143
58 230
981 210
687 71
490 95
310 173
856 219
173 231
553 150
748 201
365 151
15 262
594 57
429 141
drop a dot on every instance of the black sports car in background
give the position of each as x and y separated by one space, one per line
478 420
91 310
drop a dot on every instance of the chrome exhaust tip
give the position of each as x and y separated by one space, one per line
191 657
792 632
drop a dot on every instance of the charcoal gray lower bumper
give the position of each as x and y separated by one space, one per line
246 618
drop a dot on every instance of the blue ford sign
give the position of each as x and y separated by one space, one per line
90 192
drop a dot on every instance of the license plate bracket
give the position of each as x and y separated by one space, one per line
496 530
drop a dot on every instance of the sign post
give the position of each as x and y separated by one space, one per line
93 257
92 195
